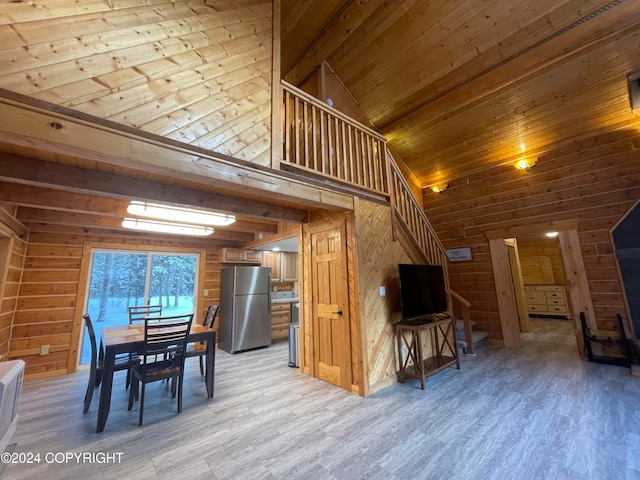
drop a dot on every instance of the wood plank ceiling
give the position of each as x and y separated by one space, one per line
458 86
194 72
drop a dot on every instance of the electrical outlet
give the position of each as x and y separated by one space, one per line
44 349
206 292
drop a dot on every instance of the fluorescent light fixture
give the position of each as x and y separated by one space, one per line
552 234
275 249
179 214
166 227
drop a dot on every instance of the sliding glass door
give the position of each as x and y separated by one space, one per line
120 279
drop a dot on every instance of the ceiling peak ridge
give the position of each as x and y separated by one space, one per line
510 58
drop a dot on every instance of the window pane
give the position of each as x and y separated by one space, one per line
120 279
173 283
117 281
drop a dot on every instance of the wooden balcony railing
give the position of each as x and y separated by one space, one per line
321 141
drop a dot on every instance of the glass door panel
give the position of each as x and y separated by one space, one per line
173 283
119 280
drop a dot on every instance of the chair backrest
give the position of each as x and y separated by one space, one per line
92 339
166 335
138 313
210 316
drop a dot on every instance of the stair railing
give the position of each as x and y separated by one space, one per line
466 319
412 216
320 141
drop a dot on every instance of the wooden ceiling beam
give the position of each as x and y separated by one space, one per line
63 177
73 202
34 215
32 123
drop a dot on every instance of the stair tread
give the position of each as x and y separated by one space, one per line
460 324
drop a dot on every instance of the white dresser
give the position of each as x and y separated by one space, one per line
547 300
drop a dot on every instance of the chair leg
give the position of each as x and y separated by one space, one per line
133 392
141 404
89 394
201 365
180 380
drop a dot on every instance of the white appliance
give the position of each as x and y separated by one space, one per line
245 308
11 376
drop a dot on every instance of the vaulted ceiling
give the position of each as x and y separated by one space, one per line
458 86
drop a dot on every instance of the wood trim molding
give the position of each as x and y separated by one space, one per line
537 229
507 306
27 122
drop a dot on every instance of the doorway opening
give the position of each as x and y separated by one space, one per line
543 303
574 292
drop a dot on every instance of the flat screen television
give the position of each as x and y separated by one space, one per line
422 290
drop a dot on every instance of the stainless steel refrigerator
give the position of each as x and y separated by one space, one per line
245 308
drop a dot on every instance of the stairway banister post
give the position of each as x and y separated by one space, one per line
466 319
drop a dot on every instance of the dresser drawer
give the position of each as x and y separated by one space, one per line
546 299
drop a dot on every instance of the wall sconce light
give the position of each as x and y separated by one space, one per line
526 163
439 188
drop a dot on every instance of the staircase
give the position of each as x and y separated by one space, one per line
319 141
477 336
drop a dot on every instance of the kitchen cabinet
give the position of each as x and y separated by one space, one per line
289 266
272 259
284 265
280 320
238 255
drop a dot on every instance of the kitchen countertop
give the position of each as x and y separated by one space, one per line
285 300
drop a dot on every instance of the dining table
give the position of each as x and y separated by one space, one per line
130 339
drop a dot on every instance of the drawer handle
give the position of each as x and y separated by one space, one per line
339 312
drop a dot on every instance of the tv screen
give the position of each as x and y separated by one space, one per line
422 290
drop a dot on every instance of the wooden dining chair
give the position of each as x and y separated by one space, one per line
165 342
138 313
123 362
199 349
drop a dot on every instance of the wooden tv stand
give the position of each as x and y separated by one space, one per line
442 336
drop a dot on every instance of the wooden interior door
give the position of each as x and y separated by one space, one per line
330 304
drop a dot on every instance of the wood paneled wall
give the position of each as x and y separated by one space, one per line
195 71
46 301
12 255
372 261
378 257
595 181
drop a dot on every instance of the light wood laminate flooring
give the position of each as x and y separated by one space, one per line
538 412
